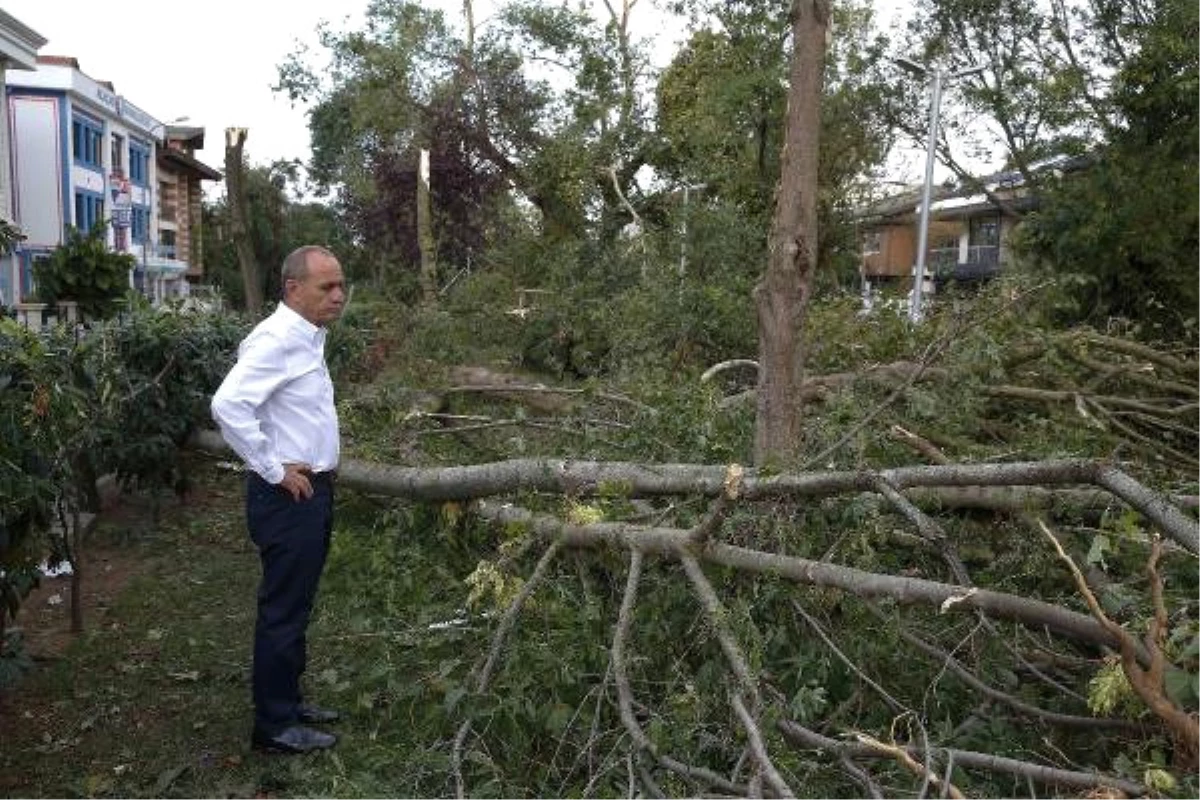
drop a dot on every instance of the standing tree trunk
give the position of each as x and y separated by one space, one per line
425 234
252 278
781 297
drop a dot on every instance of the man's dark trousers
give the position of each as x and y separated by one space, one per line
293 541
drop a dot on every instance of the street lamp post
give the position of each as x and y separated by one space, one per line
935 101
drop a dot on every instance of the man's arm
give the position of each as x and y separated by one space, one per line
261 368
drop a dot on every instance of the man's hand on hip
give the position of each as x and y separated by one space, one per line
296 482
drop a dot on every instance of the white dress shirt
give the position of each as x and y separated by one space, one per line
276 405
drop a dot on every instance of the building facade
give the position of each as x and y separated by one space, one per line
180 191
18 52
84 156
970 227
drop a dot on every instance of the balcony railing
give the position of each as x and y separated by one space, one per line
948 257
982 262
942 258
142 251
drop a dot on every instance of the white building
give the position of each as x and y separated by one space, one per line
18 51
83 155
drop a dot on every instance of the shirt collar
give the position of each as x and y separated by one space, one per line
314 334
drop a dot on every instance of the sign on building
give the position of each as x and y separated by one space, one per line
122 201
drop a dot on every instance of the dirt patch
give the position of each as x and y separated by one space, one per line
45 616
108 565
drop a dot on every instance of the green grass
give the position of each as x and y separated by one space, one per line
152 700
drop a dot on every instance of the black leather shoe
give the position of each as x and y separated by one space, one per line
315 715
295 739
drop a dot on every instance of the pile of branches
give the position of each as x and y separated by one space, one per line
1146 398
872 761
987 568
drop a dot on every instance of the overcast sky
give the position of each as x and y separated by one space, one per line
215 61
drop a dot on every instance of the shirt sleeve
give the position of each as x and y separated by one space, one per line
260 370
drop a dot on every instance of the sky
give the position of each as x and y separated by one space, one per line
215 62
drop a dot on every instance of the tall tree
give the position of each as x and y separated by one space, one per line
235 171
275 223
781 298
721 108
1046 86
483 103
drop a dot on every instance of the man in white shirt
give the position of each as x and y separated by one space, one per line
275 409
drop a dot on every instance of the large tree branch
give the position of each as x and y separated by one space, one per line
625 691
675 543
644 480
811 740
1146 682
718 618
483 674
948 661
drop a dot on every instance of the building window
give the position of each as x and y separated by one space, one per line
89 210
29 261
87 142
117 164
140 225
167 207
872 241
985 232
139 163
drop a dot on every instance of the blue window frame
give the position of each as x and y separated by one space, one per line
87 140
139 225
139 162
89 210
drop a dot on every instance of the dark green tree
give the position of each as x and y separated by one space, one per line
1044 90
1121 236
278 223
85 270
482 102
721 107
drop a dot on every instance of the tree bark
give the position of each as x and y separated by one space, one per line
782 295
252 277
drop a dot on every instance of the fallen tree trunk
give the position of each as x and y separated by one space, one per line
701 546
564 476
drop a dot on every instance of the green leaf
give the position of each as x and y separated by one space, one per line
1181 686
1100 546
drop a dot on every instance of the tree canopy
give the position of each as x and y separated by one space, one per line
1122 234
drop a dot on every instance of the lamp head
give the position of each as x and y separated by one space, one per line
911 66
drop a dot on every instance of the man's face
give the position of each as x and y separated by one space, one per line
320 295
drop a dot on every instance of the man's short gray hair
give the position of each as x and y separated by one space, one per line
295 266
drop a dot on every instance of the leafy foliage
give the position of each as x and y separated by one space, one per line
720 106
83 269
277 225
10 236
118 397
168 364
1121 236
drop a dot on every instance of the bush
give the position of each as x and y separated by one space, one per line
86 271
